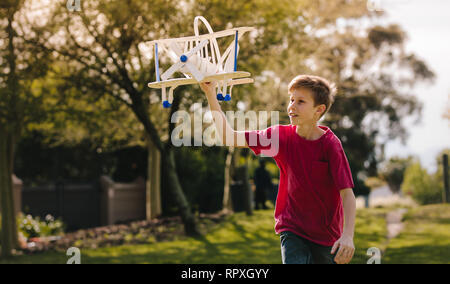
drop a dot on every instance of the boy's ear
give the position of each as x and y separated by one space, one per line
321 108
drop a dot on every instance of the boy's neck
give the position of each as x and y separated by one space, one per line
309 132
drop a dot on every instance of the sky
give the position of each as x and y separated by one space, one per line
427 24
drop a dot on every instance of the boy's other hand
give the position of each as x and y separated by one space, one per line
208 87
345 251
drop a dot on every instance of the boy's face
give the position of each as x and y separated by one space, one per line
301 109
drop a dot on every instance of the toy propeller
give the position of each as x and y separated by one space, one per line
184 61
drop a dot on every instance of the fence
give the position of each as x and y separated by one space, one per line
77 204
86 205
121 202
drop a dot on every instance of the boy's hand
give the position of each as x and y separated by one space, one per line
346 249
209 87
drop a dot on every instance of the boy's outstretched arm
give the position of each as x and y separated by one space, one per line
228 135
345 245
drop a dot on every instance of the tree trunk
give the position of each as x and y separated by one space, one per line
174 188
247 191
153 185
226 204
167 160
9 227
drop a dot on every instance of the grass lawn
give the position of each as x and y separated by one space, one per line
239 240
370 231
245 239
424 239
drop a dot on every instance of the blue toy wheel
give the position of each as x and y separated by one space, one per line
166 104
220 97
227 98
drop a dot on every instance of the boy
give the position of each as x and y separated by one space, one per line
315 197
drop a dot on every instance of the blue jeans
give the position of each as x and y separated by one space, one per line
298 250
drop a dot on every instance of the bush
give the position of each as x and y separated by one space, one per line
394 171
201 174
421 186
33 227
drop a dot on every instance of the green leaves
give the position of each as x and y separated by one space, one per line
421 186
391 35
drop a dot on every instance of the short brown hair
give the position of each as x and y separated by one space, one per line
323 90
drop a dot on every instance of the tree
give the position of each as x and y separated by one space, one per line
393 172
20 65
103 50
420 185
70 116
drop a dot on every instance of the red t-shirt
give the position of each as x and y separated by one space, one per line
312 172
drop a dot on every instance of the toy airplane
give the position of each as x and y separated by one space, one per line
198 58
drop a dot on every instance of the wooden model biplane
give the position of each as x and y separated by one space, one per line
199 59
